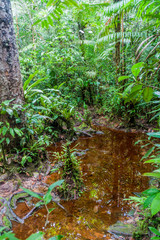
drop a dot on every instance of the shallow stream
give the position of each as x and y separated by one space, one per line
112 171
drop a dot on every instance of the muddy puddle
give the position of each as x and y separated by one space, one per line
111 171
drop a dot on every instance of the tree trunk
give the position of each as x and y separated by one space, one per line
117 45
10 76
81 28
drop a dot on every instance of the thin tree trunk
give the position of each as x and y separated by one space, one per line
123 70
10 76
81 28
117 45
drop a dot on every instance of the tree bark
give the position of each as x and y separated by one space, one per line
10 76
117 44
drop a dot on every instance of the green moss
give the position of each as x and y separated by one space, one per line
7 222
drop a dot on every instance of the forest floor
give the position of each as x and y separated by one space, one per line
36 181
140 125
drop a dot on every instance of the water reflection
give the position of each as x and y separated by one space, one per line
112 171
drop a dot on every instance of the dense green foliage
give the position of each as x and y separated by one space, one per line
76 56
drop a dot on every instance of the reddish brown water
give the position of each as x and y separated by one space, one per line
112 171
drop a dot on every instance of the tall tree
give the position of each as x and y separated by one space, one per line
10 76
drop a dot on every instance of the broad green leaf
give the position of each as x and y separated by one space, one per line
36 236
132 96
4 130
29 159
7 140
136 68
154 160
127 90
151 191
38 204
155 205
157 145
18 131
56 184
9 111
155 175
7 102
136 88
2 140
154 230
33 194
2 229
148 201
23 161
8 235
154 134
47 198
51 210
123 78
147 94
12 132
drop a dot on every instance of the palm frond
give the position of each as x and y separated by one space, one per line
86 42
153 38
119 35
104 54
153 50
54 9
105 4
118 7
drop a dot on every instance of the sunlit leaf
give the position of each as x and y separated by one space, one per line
33 194
147 94
122 78
12 132
155 175
151 191
154 134
136 68
154 230
148 201
155 205
36 236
